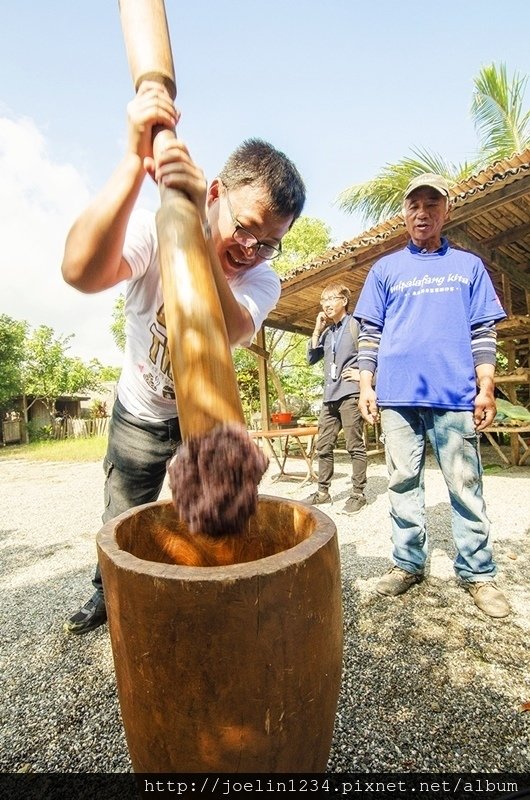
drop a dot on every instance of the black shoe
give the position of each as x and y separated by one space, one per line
89 617
354 504
317 498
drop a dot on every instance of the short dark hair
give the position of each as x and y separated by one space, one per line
339 289
258 162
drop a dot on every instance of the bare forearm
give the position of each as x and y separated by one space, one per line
485 376
93 251
485 406
367 397
366 378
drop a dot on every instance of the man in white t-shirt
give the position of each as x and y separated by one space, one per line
246 211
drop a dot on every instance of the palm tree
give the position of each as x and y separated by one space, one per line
502 126
497 109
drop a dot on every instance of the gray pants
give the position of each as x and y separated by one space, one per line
335 415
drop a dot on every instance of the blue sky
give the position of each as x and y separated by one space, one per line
343 87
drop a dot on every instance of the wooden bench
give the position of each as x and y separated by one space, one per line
519 450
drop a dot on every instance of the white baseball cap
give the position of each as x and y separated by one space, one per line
431 179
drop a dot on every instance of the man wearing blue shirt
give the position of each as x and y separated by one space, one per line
335 339
427 316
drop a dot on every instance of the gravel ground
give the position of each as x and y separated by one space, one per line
429 683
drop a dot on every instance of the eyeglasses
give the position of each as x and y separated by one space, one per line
326 300
248 240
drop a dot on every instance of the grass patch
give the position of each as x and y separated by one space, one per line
74 450
492 468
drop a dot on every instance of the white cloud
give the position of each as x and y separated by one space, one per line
39 199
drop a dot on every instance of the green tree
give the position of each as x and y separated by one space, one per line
109 374
502 125
12 337
246 369
308 238
48 373
118 322
291 380
293 383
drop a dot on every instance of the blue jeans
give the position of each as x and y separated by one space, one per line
335 415
455 444
135 463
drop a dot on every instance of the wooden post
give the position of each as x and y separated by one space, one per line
263 388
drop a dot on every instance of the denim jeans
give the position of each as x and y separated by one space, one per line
135 463
335 415
455 444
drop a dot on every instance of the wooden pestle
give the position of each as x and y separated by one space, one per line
215 474
201 360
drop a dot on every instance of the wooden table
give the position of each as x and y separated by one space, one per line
290 437
519 450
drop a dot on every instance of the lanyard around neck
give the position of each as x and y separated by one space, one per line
335 340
